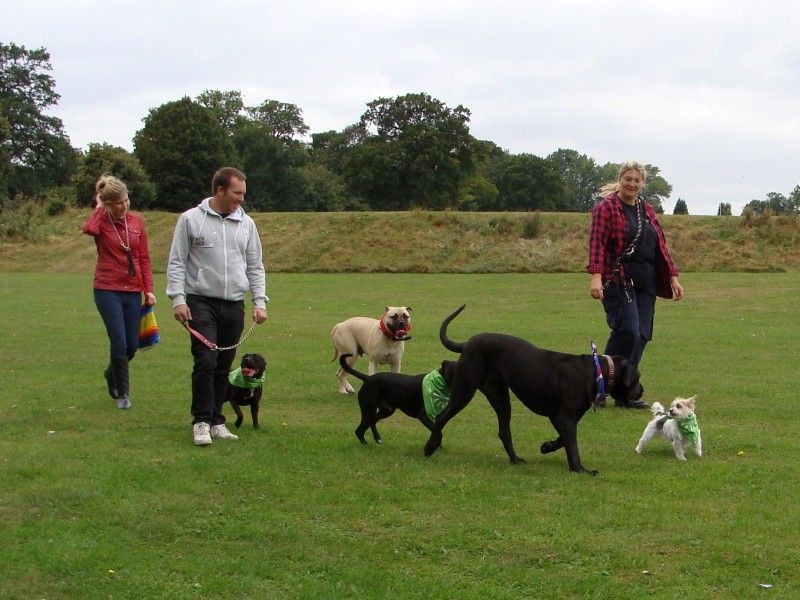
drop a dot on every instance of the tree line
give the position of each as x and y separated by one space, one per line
407 152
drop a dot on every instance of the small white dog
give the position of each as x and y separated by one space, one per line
678 425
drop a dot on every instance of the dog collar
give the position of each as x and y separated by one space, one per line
393 336
240 380
610 364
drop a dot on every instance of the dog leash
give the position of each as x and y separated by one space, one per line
212 345
600 397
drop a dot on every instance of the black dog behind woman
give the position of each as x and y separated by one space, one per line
553 384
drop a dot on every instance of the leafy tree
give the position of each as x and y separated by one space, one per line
105 158
416 152
227 107
724 209
794 200
271 165
581 177
776 203
180 146
527 182
680 207
284 121
33 146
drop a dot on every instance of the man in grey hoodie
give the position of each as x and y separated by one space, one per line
214 259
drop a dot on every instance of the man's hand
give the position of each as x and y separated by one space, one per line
259 315
182 313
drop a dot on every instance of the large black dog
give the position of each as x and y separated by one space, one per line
249 390
553 384
384 392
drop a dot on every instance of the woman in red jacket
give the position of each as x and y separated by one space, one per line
629 263
122 274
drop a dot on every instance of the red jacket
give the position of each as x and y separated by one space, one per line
607 241
111 272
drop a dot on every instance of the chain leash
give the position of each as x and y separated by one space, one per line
213 345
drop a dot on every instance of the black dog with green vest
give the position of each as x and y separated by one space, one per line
245 387
421 397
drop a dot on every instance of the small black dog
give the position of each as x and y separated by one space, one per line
385 392
246 387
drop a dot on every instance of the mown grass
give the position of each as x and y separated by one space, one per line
99 503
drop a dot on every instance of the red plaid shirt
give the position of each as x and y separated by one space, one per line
607 235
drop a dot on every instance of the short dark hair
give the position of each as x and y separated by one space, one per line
223 178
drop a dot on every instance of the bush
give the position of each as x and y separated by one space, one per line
532 225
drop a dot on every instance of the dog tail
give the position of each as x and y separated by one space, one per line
657 409
447 342
343 362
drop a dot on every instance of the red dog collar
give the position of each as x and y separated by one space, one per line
393 336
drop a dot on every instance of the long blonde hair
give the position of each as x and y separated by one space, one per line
631 165
110 188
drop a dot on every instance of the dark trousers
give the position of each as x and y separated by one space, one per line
222 322
630 319
120 312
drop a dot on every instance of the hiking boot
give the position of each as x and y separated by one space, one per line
112 387
221 432
201 434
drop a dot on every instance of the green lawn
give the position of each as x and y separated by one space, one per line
101 503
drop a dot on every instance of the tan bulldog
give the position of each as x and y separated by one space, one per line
382 340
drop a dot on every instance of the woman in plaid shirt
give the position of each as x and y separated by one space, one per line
629 263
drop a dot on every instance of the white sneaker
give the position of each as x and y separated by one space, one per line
220 431
201 434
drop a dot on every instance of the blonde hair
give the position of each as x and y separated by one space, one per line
631 165
109 188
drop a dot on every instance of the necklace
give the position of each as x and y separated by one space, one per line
125 246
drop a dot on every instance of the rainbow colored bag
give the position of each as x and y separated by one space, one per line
148 328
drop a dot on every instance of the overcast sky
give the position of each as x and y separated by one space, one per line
707 90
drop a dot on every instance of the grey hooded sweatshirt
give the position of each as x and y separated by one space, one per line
215 257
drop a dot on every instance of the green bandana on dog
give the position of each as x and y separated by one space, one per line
435 394
689 429
240 380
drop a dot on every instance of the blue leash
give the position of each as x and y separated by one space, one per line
600 398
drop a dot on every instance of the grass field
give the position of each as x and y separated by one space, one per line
101 503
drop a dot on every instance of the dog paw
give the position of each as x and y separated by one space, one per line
550 446
518 461
238 423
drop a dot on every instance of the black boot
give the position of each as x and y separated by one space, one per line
112 386
119 368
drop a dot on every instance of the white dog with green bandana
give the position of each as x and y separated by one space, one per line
678 425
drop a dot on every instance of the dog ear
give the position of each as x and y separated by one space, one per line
408 308
385 309
691 401
631 374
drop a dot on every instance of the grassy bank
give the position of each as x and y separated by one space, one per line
423 242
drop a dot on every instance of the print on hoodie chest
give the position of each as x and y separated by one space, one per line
206 239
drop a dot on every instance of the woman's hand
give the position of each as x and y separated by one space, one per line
150 299
596 286
677 288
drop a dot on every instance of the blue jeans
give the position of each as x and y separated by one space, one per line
120 312
631 322
222 322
